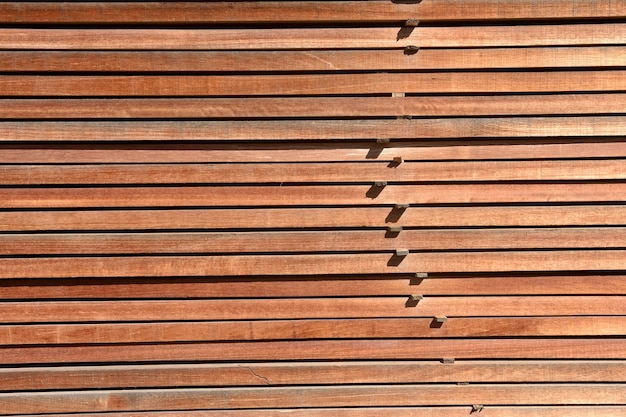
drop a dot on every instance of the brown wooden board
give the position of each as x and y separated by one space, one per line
312 373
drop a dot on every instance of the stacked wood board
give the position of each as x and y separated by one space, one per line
320 208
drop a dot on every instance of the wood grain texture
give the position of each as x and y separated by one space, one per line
314 241
445 411
315 286
613 169
311 60
267 218
312 84
295 130
302 308
294 195
180 152
345 396
127 108
311 38
277 373
253 330
318 11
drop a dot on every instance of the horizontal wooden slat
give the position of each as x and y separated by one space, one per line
293 195
364 372
413 349
255 308
309 329
314 60
311 84
314 241
313 106
313 172
371 263
316 286
345 396
311 38
287 11
502 148
491 411
238 218
312 129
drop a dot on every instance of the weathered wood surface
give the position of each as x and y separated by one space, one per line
312 60
311 38
292 11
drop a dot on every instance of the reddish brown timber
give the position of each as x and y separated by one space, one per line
501 148
299 130
315 286
311 84
313 60
346 372
323 264
305 396
302 308
311 38
373 328
554 104
361 349
238 218
294 195
313 241
290 11
461 411
314 172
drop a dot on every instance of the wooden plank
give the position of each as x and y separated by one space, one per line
50 334
311 84
555 104
311 38
323 264
263 218
361 349
313 60
313 241
289 11
313 172
301 308
501 148
342 396
491 411
289 130
313 373
294 195
315 286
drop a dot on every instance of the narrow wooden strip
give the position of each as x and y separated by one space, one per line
236 218
313 172
312 38
313 60
309 195
275 397
413 349
301 308
310 84
312 129
501 148
314 241
345 372
316 286
287 11
491 411
310 329
372 263
556 104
